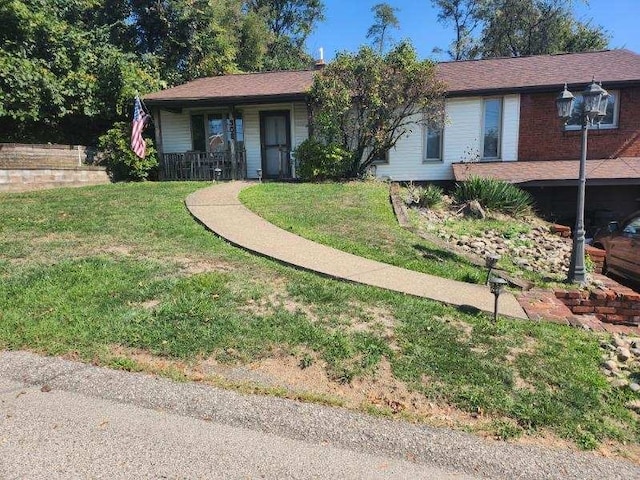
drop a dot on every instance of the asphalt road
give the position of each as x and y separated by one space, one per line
61 419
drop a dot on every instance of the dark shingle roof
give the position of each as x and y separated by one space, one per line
237 87
612 67
537 72
549 170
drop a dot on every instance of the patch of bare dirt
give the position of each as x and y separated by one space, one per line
380 390
465 329
150 304
195 266
528 347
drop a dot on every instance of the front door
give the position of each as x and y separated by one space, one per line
275 138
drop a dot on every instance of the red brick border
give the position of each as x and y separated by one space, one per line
611 303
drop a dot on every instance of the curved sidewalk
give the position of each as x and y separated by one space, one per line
220 210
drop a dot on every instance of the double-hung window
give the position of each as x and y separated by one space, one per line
609 121
491 128
433 143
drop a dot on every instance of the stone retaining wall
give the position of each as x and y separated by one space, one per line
26 167
22 180
18 156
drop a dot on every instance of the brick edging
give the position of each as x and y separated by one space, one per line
619 305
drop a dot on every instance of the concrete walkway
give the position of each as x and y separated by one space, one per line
219 209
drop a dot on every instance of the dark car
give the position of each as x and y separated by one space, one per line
621 240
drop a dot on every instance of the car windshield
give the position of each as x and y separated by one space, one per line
633 227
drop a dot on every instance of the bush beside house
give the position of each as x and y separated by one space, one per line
117 156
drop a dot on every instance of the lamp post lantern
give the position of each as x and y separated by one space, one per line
592 110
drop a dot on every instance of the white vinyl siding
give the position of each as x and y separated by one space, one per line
176 129
176 132
461 138
300 123
461 141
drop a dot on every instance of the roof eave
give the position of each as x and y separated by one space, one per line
224 101
536 89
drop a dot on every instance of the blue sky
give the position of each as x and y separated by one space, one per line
347 22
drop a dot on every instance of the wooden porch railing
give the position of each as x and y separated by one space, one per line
203 165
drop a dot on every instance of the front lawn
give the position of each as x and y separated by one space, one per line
355 217
122 275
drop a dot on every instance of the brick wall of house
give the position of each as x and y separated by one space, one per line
541 136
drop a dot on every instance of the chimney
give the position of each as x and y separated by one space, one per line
320 62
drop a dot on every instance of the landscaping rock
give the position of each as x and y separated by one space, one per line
623 354
620 342
474 209
619 383
634 387
611 365
633 405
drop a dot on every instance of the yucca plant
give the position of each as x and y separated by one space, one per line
494 195
427 197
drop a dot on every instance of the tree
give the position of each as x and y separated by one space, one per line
463 14
366 102
192 38
60 77
69 69
289 23
517 28
527 27
385 18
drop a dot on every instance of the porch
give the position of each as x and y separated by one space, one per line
220 165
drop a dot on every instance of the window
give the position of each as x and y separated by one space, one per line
197 133
381 158
491 128
610 121
433 143
216 133
633 227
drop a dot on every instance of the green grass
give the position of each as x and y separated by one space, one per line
99 272
357 218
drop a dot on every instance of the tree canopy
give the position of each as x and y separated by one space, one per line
365 102
517 28
70 68
385 19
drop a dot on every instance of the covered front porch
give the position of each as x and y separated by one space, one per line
232 126
218 165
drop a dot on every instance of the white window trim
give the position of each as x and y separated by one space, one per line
425 159
500 134
599 126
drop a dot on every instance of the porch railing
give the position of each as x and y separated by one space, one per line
203 165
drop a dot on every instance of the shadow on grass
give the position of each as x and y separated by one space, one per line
437 253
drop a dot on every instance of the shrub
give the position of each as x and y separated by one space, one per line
117 156
428 197
494 195
318 161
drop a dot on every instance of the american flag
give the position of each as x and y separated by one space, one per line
138 123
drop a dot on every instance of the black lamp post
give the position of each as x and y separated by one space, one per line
497 285
593 109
